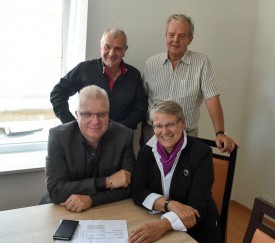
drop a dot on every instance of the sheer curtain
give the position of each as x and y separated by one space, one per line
77 33
75 41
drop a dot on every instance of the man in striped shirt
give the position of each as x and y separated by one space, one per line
186 77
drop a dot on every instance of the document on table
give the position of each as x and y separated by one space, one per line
100 231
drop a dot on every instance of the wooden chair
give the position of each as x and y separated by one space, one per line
261 230
224 168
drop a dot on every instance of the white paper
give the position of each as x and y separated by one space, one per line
102 231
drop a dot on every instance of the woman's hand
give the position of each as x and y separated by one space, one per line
150 232
186 213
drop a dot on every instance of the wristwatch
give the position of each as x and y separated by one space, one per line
111 183
166 205
220 132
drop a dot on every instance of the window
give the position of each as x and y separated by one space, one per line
31 64
40 41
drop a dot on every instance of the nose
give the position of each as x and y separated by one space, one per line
94 119
112 52
176 38
165 129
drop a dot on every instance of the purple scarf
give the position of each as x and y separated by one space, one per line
167 160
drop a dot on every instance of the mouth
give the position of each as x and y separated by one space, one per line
166 137
94 128
111 59
175 46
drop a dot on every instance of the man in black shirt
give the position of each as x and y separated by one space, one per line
122 82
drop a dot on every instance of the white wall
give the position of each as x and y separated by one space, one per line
223 30
238 37
256 172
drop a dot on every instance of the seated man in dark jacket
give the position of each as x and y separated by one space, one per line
89 160
122 82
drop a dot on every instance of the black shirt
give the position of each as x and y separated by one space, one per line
128 103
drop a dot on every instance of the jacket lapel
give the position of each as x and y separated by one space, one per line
182 171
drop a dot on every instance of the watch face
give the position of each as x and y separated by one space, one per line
166 206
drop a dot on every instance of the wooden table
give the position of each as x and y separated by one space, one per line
38 223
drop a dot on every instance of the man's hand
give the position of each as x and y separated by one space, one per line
121 178
225 143
77 203
186 213
150 232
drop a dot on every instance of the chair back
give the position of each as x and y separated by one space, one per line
218 188
224 169
260 229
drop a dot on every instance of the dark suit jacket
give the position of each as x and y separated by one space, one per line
66 165
191 185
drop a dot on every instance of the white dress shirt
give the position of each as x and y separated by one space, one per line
166 182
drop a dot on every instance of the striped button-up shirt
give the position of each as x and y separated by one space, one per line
192 81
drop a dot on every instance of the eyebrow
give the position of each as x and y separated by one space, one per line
115 47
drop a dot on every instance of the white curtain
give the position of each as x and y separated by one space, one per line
77 33
75 46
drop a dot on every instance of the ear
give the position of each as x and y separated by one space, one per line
190 40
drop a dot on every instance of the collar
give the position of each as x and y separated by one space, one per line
185 58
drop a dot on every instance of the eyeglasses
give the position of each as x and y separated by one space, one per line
168 125
99 115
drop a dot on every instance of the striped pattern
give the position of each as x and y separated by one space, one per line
192 81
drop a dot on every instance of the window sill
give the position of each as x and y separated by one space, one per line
22 162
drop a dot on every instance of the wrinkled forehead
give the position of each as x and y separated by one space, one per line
116 40
182 25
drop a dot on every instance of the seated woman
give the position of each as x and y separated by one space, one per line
174 175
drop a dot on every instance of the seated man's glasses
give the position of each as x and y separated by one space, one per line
168 125
99 115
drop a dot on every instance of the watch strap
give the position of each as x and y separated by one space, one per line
166 205
111 183
220 132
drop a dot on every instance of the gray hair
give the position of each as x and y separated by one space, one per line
114 33
167 107
93 92
182 18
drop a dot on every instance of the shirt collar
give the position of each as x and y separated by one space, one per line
185 58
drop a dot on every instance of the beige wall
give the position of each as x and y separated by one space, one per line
231 34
